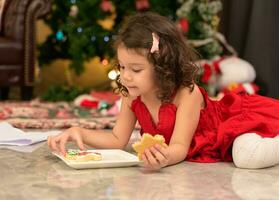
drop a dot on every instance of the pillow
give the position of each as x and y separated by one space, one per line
2 3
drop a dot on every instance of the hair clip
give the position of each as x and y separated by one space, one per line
155 43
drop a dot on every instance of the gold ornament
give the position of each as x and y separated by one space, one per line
108 22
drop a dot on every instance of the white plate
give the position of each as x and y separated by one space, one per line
110 158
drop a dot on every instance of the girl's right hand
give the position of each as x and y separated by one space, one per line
58 143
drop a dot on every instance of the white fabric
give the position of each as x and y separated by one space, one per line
2 2
249 88
252 151
235 70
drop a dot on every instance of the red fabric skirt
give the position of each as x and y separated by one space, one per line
222 121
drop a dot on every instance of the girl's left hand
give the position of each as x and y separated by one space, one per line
155 157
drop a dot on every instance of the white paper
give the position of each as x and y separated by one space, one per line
24 149
14 136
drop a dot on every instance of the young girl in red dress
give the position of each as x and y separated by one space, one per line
157 83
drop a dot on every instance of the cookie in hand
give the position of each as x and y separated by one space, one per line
147 141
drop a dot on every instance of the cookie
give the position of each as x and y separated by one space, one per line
82 156
147 141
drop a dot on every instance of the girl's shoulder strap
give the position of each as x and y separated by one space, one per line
135 102
204 93
205 96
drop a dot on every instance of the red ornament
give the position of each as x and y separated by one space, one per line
184 25
106 6
142 4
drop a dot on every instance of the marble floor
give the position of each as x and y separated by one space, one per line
40 175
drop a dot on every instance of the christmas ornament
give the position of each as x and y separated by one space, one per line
107 6
184 25
142 4
108 22
73 11
60 35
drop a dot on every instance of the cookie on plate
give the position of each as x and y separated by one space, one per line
82 156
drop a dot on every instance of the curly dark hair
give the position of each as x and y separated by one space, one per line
173 63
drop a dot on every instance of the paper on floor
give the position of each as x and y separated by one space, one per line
24 149
14 136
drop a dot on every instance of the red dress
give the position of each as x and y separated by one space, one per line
220 123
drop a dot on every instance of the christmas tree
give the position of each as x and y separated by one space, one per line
82 29
199 21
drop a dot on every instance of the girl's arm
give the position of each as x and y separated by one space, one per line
187 119
118 138
120 134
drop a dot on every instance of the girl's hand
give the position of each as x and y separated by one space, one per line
156 157
58 143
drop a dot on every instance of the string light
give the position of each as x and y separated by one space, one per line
79 29
104 61
93 38
106 38
113 74
59 35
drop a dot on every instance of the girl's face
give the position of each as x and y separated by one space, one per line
136 73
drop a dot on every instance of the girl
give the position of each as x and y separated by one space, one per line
157 75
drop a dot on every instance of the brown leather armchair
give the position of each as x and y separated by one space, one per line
18 44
